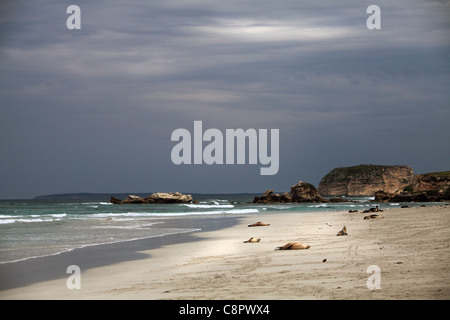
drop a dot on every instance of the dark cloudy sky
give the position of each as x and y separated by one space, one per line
92 110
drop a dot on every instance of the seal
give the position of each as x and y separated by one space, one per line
252 239
343 232
293 246
373 216
259 224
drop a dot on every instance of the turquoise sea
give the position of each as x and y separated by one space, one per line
37 228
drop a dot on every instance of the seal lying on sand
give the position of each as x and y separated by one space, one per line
259 224
343 232
373 210
373 216
252 239
293 246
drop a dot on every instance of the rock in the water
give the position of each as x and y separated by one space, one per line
301 192
158 197
115 200
305 192
270 197
132 199
176 197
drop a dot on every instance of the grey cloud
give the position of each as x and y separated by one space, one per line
72 101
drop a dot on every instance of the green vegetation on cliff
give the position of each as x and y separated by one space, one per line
441 174
358 170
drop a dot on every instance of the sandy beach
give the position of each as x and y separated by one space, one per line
409 246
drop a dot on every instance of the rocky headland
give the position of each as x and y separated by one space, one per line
429 187
365 180
159 197
396 183
387 183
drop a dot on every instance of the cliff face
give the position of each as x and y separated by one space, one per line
437 181
425 187
365 180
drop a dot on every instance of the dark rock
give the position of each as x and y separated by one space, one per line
270 197
132 199
301 192
115 200
426 196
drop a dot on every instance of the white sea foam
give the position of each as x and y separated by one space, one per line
241 211
278 207
30 219
208 206
59 215
171 214
134 226
7 221
5 216
323 205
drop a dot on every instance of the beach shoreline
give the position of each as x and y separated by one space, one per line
410 247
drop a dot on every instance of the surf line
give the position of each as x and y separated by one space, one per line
213 153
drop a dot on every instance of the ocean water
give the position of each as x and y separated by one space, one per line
36 228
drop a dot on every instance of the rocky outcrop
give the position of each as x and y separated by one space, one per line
115 200
158 197
270 197
301 192
132 199
305 192
365 180
170 198
429 187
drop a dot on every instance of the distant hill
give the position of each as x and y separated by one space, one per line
85 196
107 196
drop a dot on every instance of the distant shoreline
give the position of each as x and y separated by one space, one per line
107 196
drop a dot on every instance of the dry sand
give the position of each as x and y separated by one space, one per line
410 246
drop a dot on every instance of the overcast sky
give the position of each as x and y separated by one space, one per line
93 110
